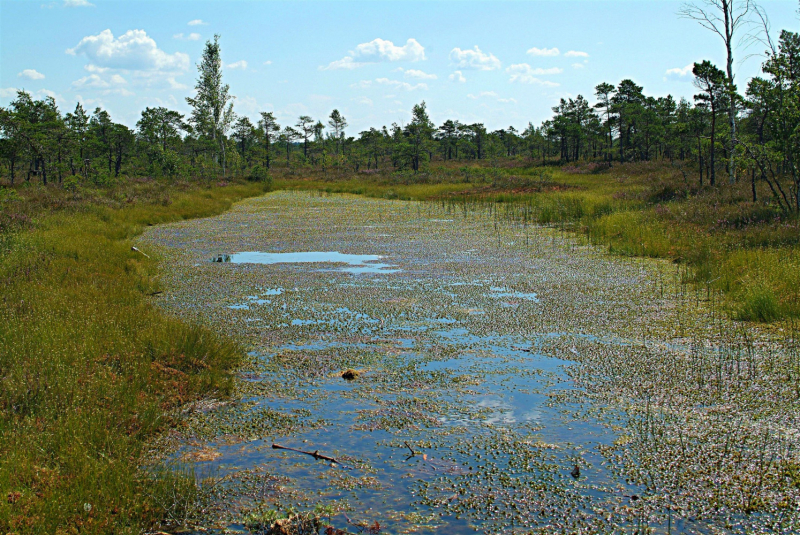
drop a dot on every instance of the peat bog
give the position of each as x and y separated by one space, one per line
486 360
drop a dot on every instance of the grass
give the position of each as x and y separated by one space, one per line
89 367
747 250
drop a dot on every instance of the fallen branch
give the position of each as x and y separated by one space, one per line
413 453
314 454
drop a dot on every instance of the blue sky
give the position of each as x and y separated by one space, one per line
500 63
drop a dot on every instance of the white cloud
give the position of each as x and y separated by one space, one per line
42 93
121 91
679 72
524 68
525 74
77 3
31 74
457 76
578 65
363 100
344 63
11 94
366 84
196 22
268 62
251 107
190 37
401 85
382 50
543 51
174 84
492 95
483 94
576 54
474 59
94 68
419 75
133 50
241 64
379 50
98 82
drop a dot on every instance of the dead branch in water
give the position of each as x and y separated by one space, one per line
314 454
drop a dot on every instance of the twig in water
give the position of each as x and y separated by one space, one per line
314 454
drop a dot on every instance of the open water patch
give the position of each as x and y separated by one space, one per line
353 263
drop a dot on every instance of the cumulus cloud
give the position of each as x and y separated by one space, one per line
174 84
196 22
401 85
543 51
382 50
525 74
77 3
268 62
680 72
191 37
31 74
474 59
345 63
363 100
578 65
133 50
576 54
133 54
90 67
419 75
241 64
397 84
111 85
492 95
10 93
379 50
457 76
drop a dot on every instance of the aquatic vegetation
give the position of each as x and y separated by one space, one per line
500 356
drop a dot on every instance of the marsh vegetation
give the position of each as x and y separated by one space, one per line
572 327
496 358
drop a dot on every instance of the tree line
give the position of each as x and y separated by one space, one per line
749 135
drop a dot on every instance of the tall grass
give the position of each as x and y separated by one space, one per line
89 367
747 250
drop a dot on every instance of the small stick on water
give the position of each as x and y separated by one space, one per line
314 454
139 251
413 453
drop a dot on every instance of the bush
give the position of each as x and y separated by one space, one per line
260 173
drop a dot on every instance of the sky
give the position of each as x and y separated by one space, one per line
500 63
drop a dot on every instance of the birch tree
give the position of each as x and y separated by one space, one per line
726 18
212 113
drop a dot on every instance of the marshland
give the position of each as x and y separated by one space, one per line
221 318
